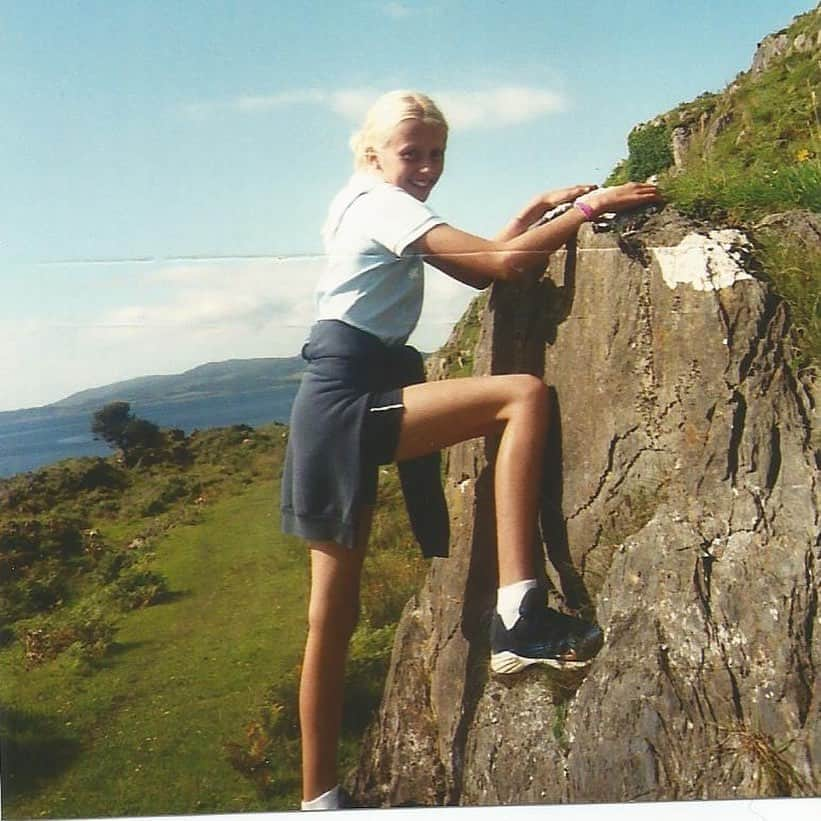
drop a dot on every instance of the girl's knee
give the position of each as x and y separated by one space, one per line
533 394
337 616
333 607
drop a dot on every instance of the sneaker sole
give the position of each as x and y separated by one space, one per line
506 662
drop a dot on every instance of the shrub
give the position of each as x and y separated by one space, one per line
269 754
650 151
795 273
112 563
368 660
394 567
619 175
34 590
458 353
389 579
37 563
119 427
31 539
726 191
137 586
99 474
170 491
88 630
131 583
43 587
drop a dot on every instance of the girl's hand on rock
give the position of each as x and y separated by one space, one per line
562 195
621 197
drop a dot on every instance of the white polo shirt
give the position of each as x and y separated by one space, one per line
367 281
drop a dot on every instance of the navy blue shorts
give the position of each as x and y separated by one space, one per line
345 423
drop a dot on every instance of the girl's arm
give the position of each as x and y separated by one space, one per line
520 256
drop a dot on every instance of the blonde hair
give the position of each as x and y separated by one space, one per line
383 117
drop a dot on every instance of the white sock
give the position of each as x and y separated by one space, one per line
327 801
510 597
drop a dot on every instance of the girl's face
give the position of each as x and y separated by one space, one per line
413 158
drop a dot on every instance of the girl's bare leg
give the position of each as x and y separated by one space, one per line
332 615
438 414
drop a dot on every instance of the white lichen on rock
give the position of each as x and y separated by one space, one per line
707 262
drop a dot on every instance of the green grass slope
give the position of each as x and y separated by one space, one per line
151 626
145 732
135 718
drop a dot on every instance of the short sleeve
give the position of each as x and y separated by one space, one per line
394 218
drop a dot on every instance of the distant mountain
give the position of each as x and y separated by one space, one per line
234 377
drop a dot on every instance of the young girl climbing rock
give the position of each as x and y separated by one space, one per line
363 402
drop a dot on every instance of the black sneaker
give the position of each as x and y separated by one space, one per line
542 635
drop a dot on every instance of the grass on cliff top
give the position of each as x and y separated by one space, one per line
754 150
795 273
764 124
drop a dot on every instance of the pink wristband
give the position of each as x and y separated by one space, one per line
585 209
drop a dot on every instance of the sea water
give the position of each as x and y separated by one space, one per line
32 438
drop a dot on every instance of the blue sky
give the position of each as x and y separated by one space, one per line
166 166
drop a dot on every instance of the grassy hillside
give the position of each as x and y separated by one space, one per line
143 732
751 151
153 621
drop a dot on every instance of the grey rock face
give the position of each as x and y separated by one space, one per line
803 227
680 139
777 45
680 509
770 48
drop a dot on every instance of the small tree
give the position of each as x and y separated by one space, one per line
110 422
117 425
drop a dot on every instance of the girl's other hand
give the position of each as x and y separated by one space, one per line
621 197
553 199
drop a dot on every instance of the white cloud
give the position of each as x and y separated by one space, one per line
497 107
257 103
353 103
492 107
184 315
242 294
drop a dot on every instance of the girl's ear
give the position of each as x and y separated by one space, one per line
373 159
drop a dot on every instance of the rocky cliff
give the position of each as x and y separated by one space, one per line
680 506
680 510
